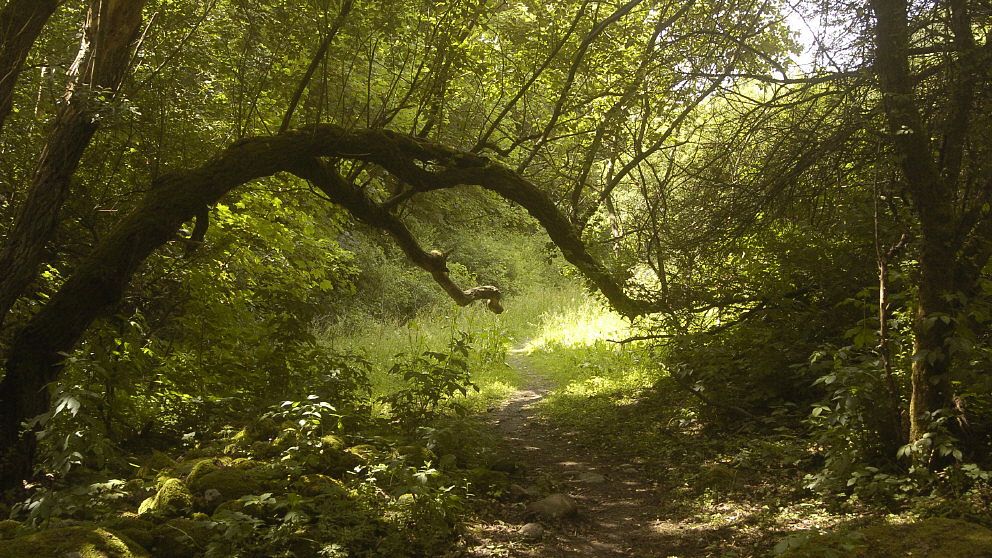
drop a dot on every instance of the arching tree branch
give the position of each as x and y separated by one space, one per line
35 356
363 208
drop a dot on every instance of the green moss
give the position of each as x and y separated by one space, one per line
79 542
314 485
172 498
156 462
184 468
202 467
9 528
230 482
133 527
946 538
181 538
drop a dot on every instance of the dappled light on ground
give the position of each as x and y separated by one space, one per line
610 429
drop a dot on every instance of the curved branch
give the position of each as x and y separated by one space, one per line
363 208
36 354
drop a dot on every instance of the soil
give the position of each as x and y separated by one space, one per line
622 514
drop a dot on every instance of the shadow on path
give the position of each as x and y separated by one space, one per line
620 513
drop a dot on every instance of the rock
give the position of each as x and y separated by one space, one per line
531 532
317 484
88 541
553 507
231 482
524 492
156 462
590 477
172 498
182 537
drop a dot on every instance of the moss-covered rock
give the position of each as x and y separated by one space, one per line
181 538
936 538
172 498
229 483
79 542
134 527
154 463
315 485
9 529
202 467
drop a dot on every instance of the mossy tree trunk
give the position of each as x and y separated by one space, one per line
948 218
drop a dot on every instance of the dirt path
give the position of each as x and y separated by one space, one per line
620 513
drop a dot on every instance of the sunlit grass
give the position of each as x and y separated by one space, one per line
496 383
578 321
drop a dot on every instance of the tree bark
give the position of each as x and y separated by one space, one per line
21 21
932 184
105 52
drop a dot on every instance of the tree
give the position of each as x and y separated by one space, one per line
20 23
458 88
948 187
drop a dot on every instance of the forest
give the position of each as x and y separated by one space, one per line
495 278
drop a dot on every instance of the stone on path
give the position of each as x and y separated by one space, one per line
590 477
524 492
554 507
531 532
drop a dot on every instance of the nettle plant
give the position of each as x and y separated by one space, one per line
433 378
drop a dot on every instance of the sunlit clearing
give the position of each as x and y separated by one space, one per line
623 387
583 322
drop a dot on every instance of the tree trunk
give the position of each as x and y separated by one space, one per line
105 52
932 184
931 386
21 21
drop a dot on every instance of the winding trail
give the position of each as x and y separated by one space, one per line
620 513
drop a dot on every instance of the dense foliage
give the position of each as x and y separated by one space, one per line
233 233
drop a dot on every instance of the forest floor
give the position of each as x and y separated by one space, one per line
624 508
619 511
